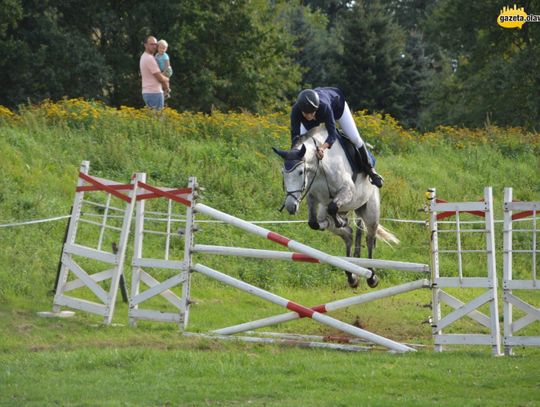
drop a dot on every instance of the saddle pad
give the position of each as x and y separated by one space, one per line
351 154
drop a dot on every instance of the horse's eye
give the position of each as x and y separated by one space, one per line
301 172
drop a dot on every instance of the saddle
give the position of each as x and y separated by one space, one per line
352 155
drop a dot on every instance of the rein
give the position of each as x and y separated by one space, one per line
306 190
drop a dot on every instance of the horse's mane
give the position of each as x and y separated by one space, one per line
309 135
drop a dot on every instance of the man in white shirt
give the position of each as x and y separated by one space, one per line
154 83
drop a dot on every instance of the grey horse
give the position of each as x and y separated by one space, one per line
332 194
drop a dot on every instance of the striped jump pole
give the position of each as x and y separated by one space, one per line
331 306
277 255
282 240
301 310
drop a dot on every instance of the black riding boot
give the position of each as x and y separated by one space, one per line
365 163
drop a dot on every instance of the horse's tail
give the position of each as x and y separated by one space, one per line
386 236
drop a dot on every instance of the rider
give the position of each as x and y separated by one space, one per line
326 105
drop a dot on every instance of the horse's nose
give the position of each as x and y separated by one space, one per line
292 208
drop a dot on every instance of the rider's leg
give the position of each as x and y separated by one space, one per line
365 160
348 125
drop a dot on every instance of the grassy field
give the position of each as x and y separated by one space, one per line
80 362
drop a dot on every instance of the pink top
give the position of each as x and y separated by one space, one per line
149 67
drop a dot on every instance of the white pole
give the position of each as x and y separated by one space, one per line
70 237
507 268
323 319
291 244
492 271
137 251
122 246
284 342
331 306
431 196
277 255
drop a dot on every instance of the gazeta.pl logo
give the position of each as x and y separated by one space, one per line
515 17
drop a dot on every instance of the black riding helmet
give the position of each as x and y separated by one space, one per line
308 101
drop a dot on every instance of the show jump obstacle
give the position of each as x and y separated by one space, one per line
164 281
513 212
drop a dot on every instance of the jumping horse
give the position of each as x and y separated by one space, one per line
333 191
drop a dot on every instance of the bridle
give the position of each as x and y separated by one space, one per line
306 187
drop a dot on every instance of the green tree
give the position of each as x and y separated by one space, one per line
497 68
234 55
229 55
41 59
317 46
373 46
413 79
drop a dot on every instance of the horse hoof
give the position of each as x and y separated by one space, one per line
353 282
373 281
314 225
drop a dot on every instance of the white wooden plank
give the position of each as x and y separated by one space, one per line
90 253
157 289
458 206
522 305
159 263
465 282
102 275
80 304
522 340
464 310
523 206
521 284
88 282
152 315
522 323
455 303
169 295
464 339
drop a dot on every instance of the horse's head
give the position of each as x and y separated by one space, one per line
294 177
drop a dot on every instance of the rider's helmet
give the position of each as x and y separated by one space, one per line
308 101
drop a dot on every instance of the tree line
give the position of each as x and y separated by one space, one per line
425 62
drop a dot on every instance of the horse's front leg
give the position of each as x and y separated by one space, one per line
313 222
344 196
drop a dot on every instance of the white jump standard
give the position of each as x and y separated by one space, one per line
439 210
72 249
511 285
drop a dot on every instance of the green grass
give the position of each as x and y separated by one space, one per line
79 361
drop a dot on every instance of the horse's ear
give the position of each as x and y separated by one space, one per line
281 153
303 150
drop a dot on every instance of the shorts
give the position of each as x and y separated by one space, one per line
154 100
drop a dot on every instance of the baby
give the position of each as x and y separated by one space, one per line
164 62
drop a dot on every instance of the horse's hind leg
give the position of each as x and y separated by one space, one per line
346 234
358 237
370 218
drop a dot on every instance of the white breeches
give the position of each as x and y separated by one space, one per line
348 126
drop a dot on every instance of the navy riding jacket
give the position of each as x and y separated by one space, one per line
331 106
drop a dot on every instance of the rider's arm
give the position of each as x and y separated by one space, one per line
327 116
296 115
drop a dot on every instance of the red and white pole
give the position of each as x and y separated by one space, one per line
282 240
331 306
301 310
